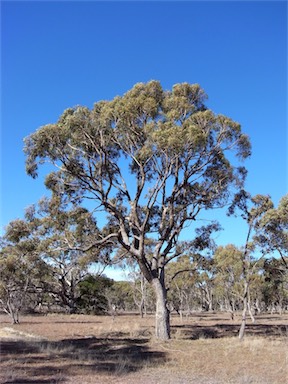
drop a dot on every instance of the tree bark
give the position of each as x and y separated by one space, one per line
243 324
162 324
245 307
143 296
250 310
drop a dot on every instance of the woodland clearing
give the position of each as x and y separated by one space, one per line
204 348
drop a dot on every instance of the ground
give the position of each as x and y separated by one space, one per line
99 349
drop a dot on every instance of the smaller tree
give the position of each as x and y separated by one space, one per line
181 279
64 234
272 233
48 253
92 298
275 287
228 265
14 284
260 204
143 296
119 297
20 268
206 284
139 287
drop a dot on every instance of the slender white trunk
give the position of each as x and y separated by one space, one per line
245 307
250 311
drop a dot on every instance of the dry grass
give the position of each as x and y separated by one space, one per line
92 349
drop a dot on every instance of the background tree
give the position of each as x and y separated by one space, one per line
272 233
119 297
139 286
228 265
152 160
21 269
275 288
252 211
206 284
187 279
64 234
92 298
46 255
181 275
257 286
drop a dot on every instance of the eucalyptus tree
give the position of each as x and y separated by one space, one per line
272 233
40 255
21 269
275 287
181 282
92 298
228 284
139 287
189 277
152 160
63 233
272 237
252 211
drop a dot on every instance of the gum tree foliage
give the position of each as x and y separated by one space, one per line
189 279
181 276
272 237
119 297
228 265
273 231
139 287
21 270
152 160
231 283
43 257
252 211
63 231
92 298
275 287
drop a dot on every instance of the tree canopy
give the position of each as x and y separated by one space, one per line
151 160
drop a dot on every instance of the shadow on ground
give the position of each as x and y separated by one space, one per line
51 362
194 332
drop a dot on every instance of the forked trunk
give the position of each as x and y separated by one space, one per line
162 325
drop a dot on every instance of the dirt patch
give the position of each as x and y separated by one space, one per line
93 349
14 334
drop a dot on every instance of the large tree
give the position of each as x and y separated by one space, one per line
152 160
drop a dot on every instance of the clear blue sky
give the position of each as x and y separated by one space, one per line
59 54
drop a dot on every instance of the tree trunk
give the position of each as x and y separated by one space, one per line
250 312
143 295
15 317
258 307
245 307
142 307
230 308
162 325
243 323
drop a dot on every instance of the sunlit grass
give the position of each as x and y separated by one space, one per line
203 349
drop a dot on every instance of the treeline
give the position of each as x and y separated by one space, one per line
46 261
195 283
